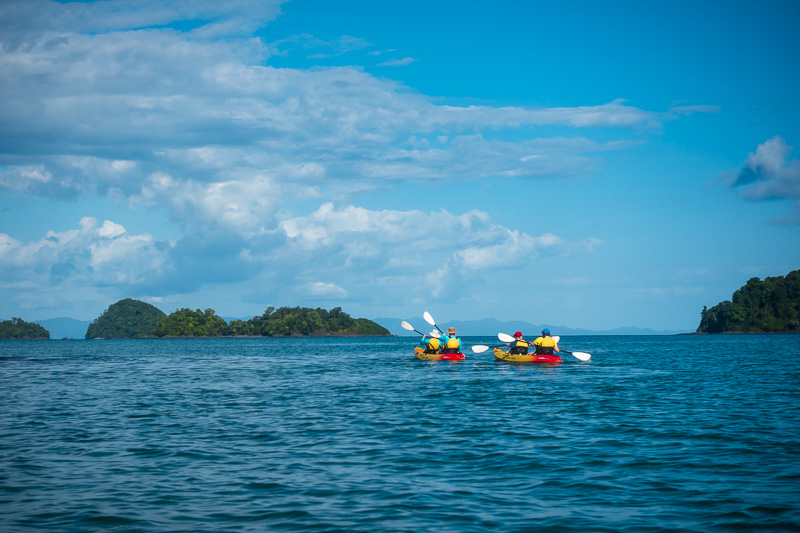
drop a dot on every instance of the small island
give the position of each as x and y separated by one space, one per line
18 329
126 319
768 306
133 319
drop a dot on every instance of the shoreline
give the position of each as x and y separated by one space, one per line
743 333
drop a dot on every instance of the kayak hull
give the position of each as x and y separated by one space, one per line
502 355
420 354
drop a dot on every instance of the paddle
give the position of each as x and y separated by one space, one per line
409 327
429 319
480 348
583 356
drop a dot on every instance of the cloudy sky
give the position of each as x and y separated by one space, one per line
591 164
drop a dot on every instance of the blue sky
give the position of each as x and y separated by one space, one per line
591 164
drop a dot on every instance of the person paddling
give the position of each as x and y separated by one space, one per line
431 346
545 345
520 346
450 341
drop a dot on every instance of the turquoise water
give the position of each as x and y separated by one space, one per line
678 433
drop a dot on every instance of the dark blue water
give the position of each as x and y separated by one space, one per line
679 433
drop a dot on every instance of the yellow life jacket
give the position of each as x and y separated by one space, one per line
544 345
453 342
434 344
520 347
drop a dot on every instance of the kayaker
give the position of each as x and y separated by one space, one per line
520 346
450 341
545 345
431 346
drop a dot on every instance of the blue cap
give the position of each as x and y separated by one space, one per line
545 331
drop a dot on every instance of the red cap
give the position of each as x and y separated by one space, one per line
518 334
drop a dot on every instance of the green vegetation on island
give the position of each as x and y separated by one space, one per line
311 322
188 323
283 322
18 329
768 306
126 319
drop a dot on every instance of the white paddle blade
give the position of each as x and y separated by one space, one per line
583 356
505 337
480 348
556 338
407 326
428 318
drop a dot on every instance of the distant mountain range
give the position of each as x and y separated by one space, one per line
76 329
491 327
65 327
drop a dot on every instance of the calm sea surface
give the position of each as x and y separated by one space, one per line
673 433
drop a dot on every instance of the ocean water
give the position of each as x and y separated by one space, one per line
672 433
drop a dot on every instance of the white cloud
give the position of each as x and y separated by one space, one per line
242 206
123 100
769 158
111 229
397 62
324 290
769 174
329 226
441 251
117 98
239 17
91 255
514 250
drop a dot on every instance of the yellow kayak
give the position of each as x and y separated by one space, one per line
420 354
502 355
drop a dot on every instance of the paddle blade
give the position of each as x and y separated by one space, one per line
556 338
428 318
480 348
583 356
407 326
505 337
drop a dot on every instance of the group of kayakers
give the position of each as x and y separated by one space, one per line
450 343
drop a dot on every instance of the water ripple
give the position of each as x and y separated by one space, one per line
653 434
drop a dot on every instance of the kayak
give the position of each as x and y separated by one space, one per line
502 355
420 353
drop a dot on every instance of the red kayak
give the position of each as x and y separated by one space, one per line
502 355
420 354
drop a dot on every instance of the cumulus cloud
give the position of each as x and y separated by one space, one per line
176 106
440 250
241 206
91 255
769 174
101 96
319 289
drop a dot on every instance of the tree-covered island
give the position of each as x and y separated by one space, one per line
134 319
768 306
283 322
126 319
18 329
